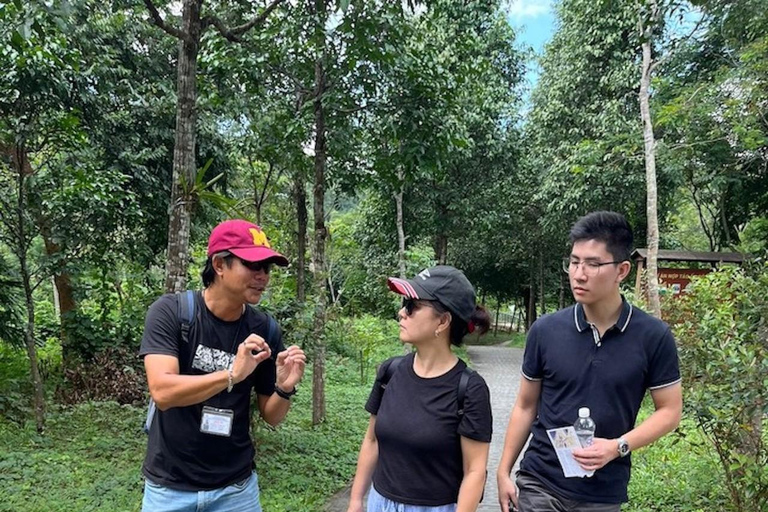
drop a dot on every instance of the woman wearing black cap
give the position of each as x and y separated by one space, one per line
426 447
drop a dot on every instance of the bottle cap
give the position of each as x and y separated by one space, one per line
584 412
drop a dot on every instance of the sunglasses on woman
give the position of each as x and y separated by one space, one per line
411 305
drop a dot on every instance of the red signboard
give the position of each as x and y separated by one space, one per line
677 279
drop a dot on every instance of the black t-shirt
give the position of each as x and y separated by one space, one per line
418 431
179 456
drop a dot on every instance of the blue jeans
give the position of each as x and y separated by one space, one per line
239 497
378 503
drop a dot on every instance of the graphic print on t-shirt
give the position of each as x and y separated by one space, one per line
211 360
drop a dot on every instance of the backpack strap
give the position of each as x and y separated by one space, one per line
462 391
389 369
185 311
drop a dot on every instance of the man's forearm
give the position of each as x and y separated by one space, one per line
274 409
668 402
518 430
658 424
173 390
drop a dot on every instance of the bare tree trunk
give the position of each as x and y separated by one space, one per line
318 367
649 141
531 298
441 248
561 299
400 228
180 209
21 162
63 291
542 296
300 194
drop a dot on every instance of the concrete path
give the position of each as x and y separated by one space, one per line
500 367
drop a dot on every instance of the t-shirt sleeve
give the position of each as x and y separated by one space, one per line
161 328
377 392
265 375
533 364
477 422
664 367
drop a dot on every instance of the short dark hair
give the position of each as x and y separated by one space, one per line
459 328
610 228
209 274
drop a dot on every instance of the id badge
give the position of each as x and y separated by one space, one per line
217 422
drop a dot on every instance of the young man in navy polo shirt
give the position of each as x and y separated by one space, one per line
601 353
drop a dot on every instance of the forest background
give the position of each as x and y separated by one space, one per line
369 139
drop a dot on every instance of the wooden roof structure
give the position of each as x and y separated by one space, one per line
691 256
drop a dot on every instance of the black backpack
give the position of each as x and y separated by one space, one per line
185 309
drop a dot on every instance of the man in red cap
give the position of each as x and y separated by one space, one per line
201 372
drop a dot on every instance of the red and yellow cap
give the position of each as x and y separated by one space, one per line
245 240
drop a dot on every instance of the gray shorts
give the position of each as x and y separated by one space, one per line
533 496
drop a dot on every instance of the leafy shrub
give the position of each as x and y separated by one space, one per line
15 385
722 328
675 473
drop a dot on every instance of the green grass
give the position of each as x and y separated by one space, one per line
90 456
515 339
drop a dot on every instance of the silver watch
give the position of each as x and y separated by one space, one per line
623 447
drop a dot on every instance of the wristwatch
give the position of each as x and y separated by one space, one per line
623 447
285 394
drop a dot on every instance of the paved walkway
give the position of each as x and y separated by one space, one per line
500 367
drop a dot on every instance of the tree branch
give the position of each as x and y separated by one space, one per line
233 34
158 21
676 44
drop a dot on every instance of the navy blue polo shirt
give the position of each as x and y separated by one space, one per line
577 368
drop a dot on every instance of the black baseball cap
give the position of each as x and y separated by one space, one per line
445 284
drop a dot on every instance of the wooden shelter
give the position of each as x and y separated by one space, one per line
678 278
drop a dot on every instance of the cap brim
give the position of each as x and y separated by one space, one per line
260 254
409 289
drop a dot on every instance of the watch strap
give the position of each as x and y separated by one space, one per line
285 394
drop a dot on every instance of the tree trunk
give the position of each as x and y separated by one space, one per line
22 167
63 291
496 323
400 228
441 248
300 195
542 297
650 164
318 367
561 300
184 166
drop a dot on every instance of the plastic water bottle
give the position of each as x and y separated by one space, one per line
585 428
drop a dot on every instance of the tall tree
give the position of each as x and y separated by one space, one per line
193 26
648 19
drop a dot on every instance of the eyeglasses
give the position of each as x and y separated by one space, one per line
256 266
411 305
589 267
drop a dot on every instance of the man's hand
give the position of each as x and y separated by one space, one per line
245 360
598 455
356 506
507 492
290 367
